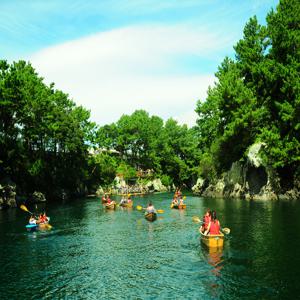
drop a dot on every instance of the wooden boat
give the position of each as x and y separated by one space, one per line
127 204
213 240
111 206
150 216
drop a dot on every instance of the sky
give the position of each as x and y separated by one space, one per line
114 57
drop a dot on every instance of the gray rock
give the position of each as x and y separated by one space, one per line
38 197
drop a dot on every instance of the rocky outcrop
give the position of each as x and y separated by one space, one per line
120 187
200 185
8 195
38 197
251 179
156 186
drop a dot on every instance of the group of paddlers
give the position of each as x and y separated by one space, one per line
210 223
106 199
41 219
177 199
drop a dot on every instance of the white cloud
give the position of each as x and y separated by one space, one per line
131 68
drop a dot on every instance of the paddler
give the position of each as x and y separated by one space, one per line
214 225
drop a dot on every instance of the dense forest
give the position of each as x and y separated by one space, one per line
46 139
256 97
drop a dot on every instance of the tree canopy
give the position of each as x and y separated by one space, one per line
256 96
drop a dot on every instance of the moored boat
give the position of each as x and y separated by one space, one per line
150 216
110 206
213 240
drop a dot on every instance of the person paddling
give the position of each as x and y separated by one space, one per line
32 220
150 208
214 225
205 221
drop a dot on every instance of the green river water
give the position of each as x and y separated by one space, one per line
95 254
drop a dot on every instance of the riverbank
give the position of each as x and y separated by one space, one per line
251 179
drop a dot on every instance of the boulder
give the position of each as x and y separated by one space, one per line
8 195
200 185
156 186
38 197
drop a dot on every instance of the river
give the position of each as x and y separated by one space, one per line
95 254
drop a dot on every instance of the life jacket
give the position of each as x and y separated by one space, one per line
214 227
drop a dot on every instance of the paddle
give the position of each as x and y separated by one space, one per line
23 207
159 211
225 230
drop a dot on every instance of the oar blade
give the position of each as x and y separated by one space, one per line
139 207
196 219
226 230
160 211
23 207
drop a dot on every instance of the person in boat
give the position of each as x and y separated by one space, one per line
123 200
43 219
46 219
150 208
205 220
181 200
128 198
32 220
214 225
175 201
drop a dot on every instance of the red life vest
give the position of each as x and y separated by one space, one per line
214 227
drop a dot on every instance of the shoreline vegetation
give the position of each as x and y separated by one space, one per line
246 142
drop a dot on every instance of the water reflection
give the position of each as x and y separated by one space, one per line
214 257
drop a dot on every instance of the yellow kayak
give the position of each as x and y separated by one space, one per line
213 240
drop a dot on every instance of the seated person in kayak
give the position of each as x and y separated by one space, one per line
123 200
150 208
32 220
42 218
181 201
205 221
214 225
175 201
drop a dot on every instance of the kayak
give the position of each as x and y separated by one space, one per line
39 226
213 240
150 216
178 206
110 206
128 204
32 227
44 226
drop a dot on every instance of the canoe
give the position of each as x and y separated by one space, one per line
110 206
32 227
128 204
150 216
213 240
174 206
45 226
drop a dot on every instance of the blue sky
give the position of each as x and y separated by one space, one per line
117 56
